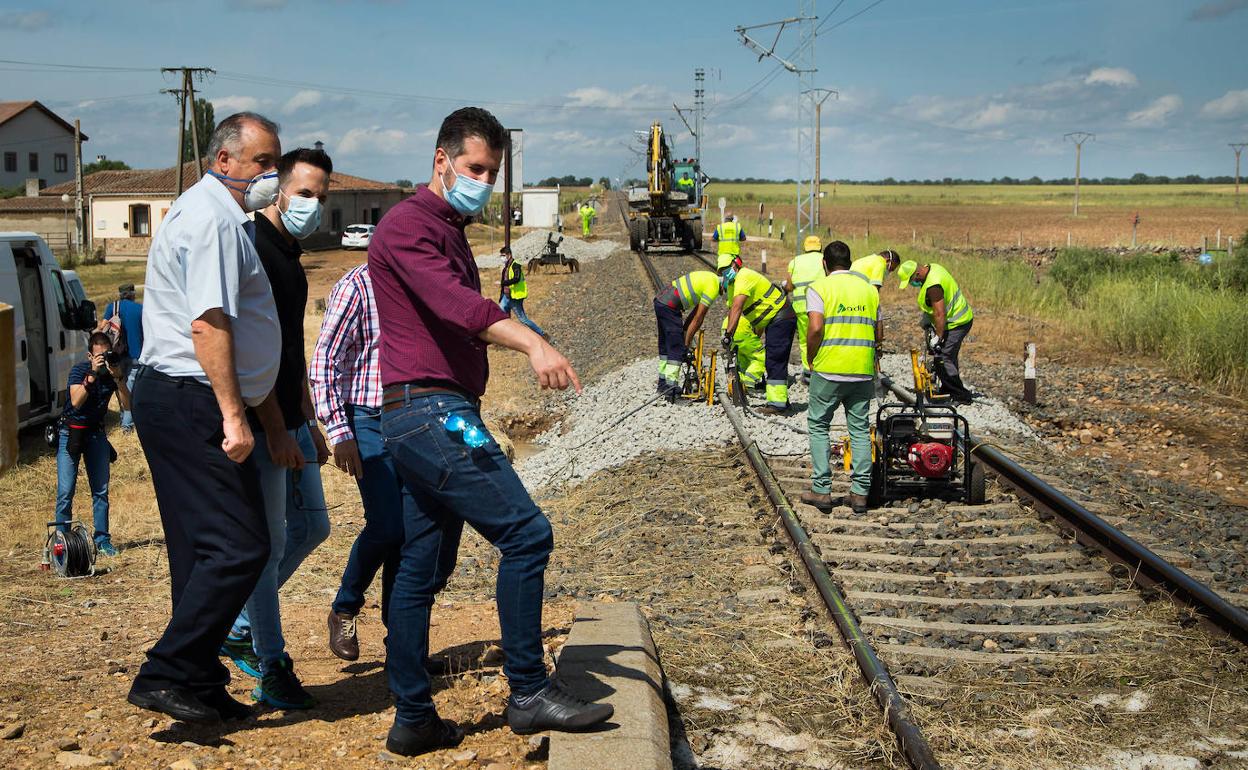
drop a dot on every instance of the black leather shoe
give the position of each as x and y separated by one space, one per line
229 709
431 736
554 709
437 666
177 702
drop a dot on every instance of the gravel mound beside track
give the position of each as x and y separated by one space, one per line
531 244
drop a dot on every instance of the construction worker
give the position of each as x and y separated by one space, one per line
843 344
513 289
946 308
587 215
693 291
876 266
751 361
767 309
804 269
728 236
686 184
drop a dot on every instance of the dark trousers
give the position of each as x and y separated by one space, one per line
381 540
215 533
947 362
671 332
777 344
452 483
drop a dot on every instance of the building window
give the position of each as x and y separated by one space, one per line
34 162
140 220
60 163
10 162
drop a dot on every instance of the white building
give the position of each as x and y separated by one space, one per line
540 206
35 143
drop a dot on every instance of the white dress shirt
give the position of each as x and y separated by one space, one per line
203 257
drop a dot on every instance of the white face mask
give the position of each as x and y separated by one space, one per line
261 190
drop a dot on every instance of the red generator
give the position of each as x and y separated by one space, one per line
923 451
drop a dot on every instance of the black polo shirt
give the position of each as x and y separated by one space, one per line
280 258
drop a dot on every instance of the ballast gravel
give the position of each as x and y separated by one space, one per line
611 423
533 243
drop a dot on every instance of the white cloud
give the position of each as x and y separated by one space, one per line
26 20
1118 77
1217 9
223 106
1229 105
993 115
595 96
375 140
301 100
1158 112
726 136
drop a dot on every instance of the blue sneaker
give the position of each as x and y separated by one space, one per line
106 547
239 650
280 688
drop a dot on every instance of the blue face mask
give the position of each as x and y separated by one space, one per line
726 278
302 216
467 195
915 283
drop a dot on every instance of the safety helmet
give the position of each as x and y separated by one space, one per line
812 243
726 260
905 271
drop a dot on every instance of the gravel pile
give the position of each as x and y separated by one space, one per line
987 416
533 243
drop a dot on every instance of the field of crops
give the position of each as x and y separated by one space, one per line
1031 216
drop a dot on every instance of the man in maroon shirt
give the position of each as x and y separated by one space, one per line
435 327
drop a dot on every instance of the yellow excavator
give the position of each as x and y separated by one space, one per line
668 210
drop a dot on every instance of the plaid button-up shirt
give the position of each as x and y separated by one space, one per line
345 367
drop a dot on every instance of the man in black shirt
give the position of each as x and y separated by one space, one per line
91 385
289 447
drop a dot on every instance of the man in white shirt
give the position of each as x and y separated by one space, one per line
211 348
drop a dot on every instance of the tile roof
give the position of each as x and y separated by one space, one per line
10 110
163 181
41 203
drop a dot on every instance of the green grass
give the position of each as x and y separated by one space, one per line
101 281
746 197
1189 319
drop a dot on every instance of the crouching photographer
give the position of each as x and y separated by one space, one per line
91 384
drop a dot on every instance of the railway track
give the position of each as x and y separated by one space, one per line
1032 580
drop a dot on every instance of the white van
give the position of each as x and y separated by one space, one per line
51 321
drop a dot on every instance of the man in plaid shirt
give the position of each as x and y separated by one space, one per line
346 386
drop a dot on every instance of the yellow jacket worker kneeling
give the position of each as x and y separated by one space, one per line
842 343
942 301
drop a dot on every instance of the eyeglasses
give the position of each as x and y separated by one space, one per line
473 436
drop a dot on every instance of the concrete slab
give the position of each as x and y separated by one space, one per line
610 657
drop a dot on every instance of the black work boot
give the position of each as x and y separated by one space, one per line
430 736
554 709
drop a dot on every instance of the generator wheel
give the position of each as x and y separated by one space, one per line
574 266
978 489
875 496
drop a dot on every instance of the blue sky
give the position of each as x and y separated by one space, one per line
964 88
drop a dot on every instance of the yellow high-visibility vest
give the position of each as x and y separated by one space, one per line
850 314
763 299
519 289
728 235
700 287
804 269
957 309
873 267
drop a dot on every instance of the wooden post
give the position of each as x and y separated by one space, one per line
8 391
1219 237
1029 372
1068 239
78 217
763 266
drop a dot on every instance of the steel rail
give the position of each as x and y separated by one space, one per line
910 738
1147 569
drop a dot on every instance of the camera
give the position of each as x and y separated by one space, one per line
112 358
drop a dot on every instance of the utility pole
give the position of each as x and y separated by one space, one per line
1078 137
821 95
507 189
78 229
1238 147
802 65
186 95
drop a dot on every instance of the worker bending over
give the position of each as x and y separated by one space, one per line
588 213
876 266
767 309
805 269
843 343
728 237
693 291
949 313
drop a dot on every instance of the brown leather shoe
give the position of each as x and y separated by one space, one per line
342 639
857 502
822 502
773 410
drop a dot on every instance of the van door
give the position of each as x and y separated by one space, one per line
33 346
68 344
10 294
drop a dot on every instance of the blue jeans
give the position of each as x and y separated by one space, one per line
381 540
298 522
451 484
96 455
128 373
517 305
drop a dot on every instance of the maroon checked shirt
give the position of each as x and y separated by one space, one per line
428 295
